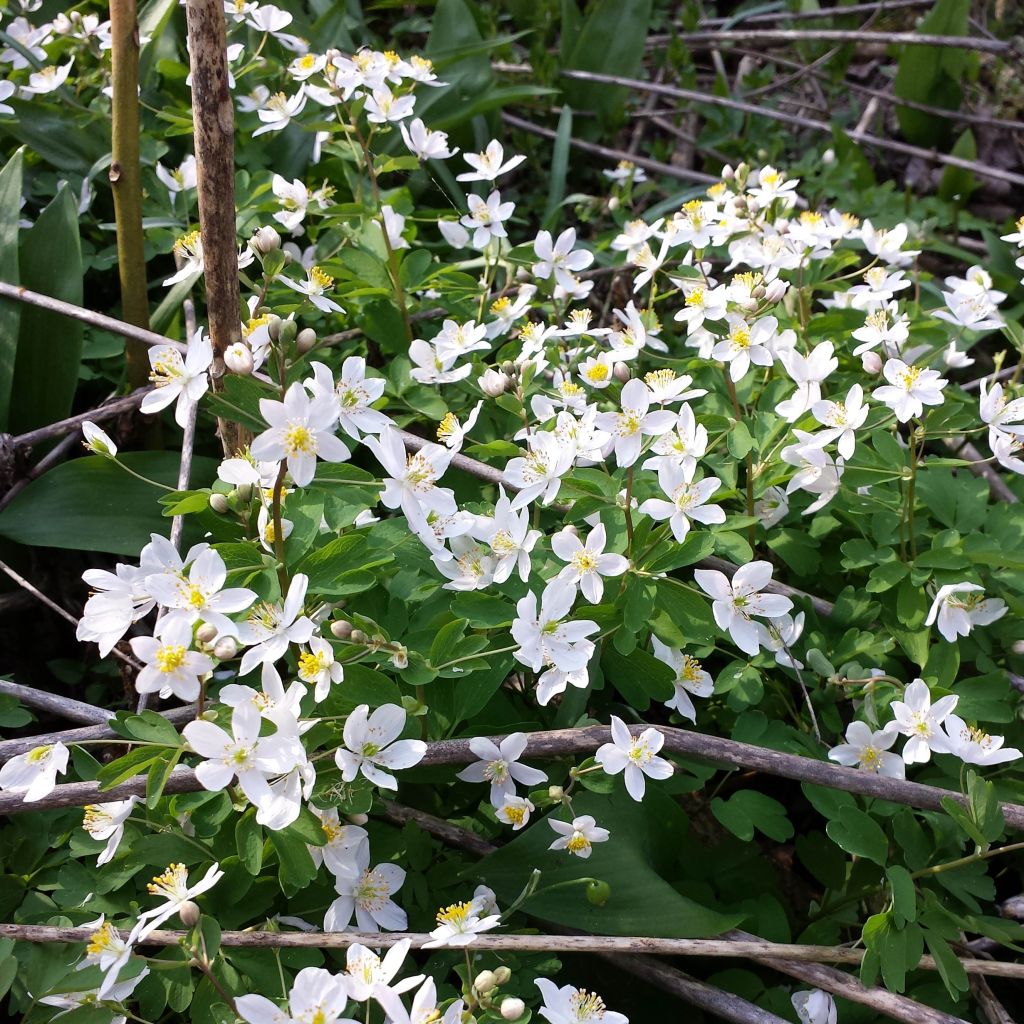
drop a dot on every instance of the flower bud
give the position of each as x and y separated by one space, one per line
728 173
484 981
598 892
206 633
613 203
219 503
502 976
829 156
493 383
509 369
775 291
555 793
305 340
274 326
753 207
872 362
287 331
621 371
1018 647
357 819
226 648
264 240
341 628
512 1008
238 358
244 492
357 636
189 913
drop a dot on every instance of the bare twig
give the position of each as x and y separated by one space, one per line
614 155
23 744
882 6
560 742
786 36
66 707
54 607
107 411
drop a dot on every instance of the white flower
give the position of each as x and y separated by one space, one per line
509 535
35 773
173 886
588 562
735 602
887 245
920 720
489 164
974 746
578 836
818 473
976 312
431 368
267 18
424 143
346 848
635 755
317 666
560 258
869 750
746 344
424 1005
316 995
278 110
412 483
687 500
910 389
507 311
515 811
700 303
354 393
628 426
878 330
780 636
459 924
301 429
681 446
367 895
106 821
393 226
841 420
808 373
107 950
47 80
456 340
169 666
545 638
690 678
569 1005
815 1006
243 754
294 199
200 595
554 681
958 615
384 107
1002 417
270 628
180 179
499 765
771 185
771 508
182 380
486 218
370 742
317 283
367 973
98 441
276 705
538 474
626 170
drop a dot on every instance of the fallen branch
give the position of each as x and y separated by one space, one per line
786 36
107 411
562 742
614 155
881 6
66 707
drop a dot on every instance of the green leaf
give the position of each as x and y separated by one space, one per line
91 504
446 641
643 836
952 972
483 611
639 677
739 440
329 567
559 167
10 312
295 867
683 618
240 401
904 895
858 833
133 763
148 726
747 809
957 182
159 773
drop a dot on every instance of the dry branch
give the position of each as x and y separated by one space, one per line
66 707
107 411
786 36
563 742
881 6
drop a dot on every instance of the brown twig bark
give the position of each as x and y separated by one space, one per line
65 707
107 411
125 177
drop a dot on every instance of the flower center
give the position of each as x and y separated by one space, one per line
298 440
170 657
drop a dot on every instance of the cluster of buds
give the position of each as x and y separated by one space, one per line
223 648
484 994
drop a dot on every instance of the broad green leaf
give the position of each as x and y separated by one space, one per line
91 504
904 895
747 809
858 833
559 167
329 567
642 901
639 677
10 312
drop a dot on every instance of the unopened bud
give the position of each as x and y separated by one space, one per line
555 793
264 240
305 340
598 892
775 291
512 1008
274 326
829 156
484 981
613 203
357 819
357 636
753 207
244 492
287 331
189 913
226 648
238 358
728 173
621 371
219 503
571 529
872 362
341 628
1018 647
493 383
502 976
758 291
509 368
206 633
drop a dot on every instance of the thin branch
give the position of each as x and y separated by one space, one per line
752 948
23 744
66 707
185 471
614 155
976 167
882 6
559 742
786 36
107 411
54 607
